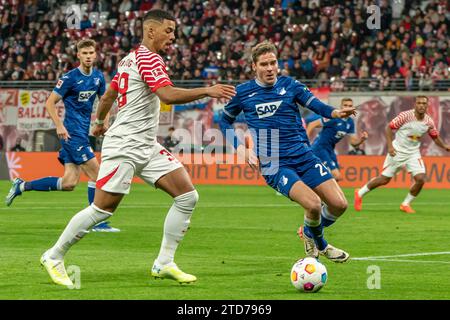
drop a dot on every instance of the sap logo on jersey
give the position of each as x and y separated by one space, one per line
267 109
84 96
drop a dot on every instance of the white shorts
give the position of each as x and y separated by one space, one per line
414 164
120 164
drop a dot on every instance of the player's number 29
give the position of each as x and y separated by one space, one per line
123 87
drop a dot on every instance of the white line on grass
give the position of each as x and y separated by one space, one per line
405 255
389 258
408 261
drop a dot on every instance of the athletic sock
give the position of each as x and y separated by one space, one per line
175 226
314 229
327 218
91 191
363 191
409 198
43 184
76 229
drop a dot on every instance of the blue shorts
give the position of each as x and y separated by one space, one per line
328 157
75 151
310 171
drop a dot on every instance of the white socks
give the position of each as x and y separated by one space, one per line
409 198
363 191
77 228
176 225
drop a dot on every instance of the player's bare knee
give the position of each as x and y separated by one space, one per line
420 179
68 186
340 206
314 206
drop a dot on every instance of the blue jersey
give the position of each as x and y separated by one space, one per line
78 92
333 131
275 107
273 117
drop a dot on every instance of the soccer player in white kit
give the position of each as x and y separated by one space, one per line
410 125
130 148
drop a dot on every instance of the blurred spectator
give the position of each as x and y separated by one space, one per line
18 147
170 141
216 36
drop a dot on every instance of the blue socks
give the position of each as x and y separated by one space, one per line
327 218
314 229
44 184
91 191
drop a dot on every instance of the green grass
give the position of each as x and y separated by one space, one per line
241 245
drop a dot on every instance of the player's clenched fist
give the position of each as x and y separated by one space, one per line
344 112
221 91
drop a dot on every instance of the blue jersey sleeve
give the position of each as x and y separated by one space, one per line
63 86
308 100
102 86
351 130
229 114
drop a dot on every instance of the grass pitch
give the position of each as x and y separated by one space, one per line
241 245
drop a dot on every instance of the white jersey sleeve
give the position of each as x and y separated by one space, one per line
139 75
410 130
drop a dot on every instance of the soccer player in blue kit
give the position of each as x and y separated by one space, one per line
333 131
78 89
282 152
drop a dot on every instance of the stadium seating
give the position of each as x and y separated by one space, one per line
411 50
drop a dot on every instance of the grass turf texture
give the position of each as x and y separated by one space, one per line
241 245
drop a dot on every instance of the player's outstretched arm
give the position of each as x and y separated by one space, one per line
441 143
355 141
50 105
174 95
106 102
343 112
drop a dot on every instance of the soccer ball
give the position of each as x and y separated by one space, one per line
308 275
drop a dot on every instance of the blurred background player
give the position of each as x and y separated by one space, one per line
283 152
170 141
404 150
333 131
78 89
130 148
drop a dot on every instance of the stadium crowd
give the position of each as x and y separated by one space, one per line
324 40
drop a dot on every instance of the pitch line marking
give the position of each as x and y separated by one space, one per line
405 255
389 258
408 261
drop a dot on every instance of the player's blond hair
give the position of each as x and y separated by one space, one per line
262 48
86 43
346 99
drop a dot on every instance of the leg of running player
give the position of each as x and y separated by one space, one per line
65 183
374 183
103 207
177 184
334 200
90 169
313 229
419 181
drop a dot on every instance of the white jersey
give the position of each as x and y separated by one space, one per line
410 131
139 75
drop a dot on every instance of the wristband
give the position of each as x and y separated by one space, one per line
97 121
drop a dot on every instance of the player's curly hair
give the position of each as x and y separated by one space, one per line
262 48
